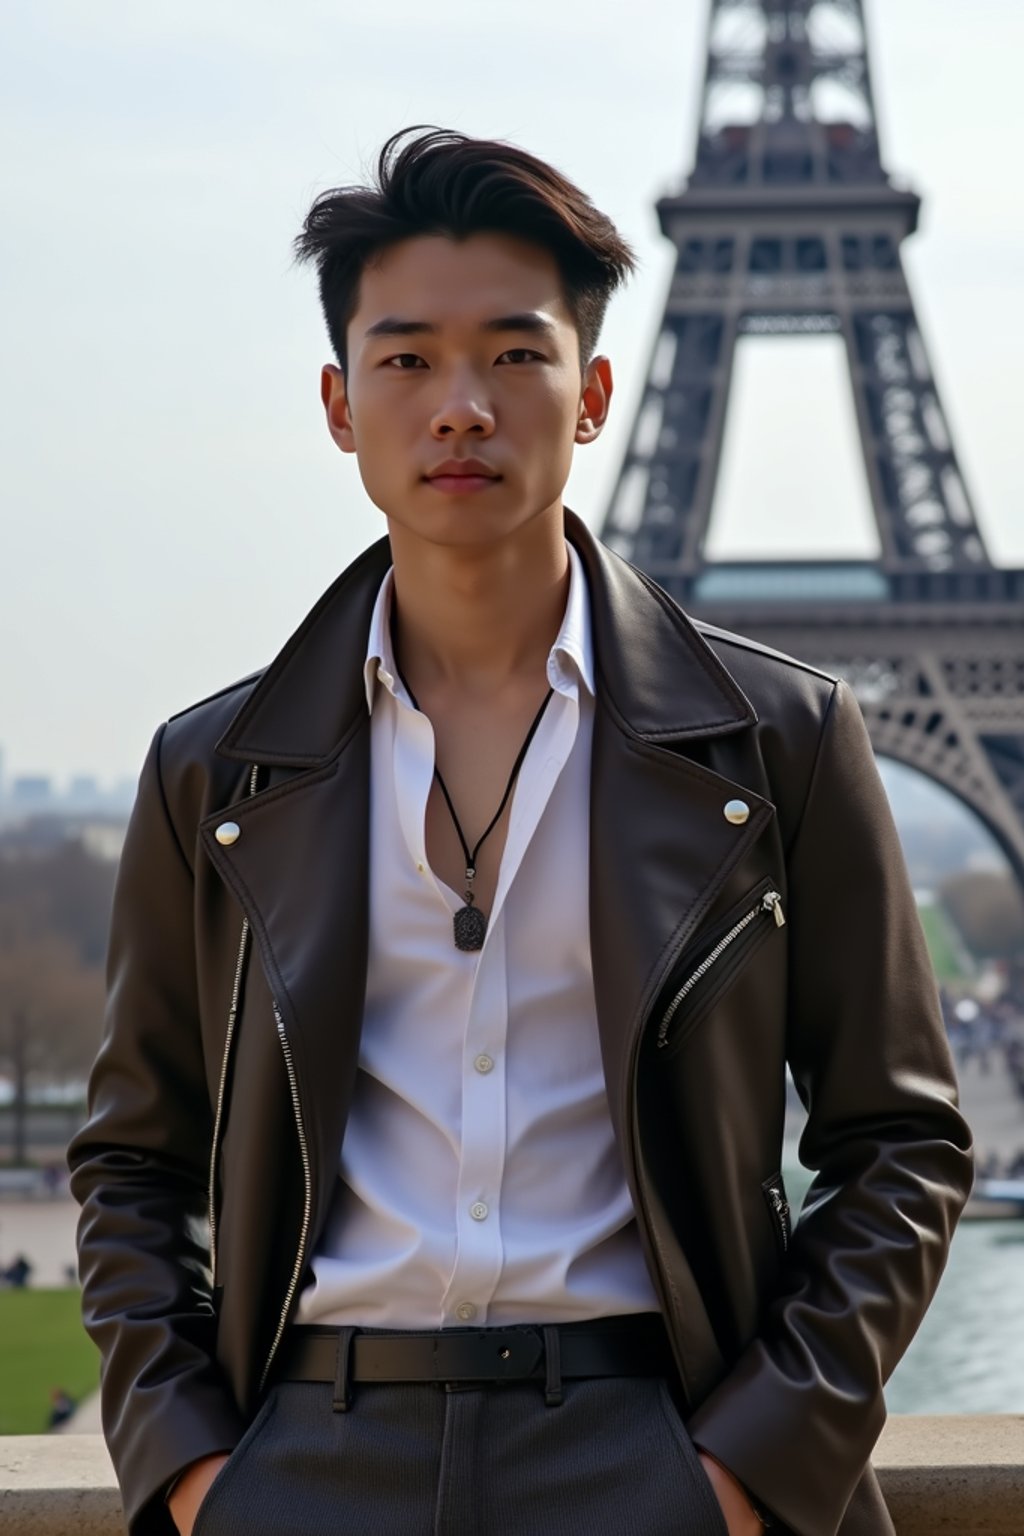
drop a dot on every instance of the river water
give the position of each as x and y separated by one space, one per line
968 1356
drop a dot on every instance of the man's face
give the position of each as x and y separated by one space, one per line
464 350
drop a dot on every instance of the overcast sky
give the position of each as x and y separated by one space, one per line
172 505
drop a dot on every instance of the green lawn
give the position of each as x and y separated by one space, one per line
941 943
42 1345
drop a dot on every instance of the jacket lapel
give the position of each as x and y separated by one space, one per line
661 847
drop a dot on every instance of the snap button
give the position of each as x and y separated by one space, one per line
228 832
737 811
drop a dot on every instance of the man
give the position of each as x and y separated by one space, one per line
432 1174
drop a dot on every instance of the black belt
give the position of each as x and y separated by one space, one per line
628 1346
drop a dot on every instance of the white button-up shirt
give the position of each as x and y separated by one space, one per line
480 1180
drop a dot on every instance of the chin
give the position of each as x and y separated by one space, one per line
466 522
459 520
459 530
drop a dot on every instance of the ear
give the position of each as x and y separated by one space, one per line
594 400
336 407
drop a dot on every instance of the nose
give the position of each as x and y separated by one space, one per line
463 407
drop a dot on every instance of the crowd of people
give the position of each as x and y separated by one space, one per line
988 1034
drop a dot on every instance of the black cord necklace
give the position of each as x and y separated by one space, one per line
469 923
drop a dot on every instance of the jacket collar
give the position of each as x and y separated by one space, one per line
655 671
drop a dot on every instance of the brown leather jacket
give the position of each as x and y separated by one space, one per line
237 974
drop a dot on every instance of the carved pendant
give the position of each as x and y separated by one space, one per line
470 927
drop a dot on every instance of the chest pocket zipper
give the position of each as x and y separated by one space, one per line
778 1206
769 903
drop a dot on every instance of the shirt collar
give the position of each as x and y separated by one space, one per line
380 658
572 655
570 660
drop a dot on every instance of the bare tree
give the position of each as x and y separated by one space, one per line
987 908
55 901
50 1017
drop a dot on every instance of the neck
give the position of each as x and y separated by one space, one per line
480 617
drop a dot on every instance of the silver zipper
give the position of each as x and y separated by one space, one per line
771 902
780 1207
308 1202
232 1016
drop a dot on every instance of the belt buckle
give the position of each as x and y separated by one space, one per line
494 1354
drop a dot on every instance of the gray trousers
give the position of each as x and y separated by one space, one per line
613 1459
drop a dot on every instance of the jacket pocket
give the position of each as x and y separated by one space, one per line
774 1191
705 971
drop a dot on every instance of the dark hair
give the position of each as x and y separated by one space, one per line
444 183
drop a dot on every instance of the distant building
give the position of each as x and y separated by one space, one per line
83 790
124 792
34 795
32 792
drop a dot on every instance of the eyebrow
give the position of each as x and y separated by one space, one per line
530 321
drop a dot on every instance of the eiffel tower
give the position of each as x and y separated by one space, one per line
789 225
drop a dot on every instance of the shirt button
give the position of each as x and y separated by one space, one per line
465 1311
478 1211
421 868
385 677
483 1064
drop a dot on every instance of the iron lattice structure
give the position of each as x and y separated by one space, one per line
790 225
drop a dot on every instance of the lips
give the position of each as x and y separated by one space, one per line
461 477
462 469
463 485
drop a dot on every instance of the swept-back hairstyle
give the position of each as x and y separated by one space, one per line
445 183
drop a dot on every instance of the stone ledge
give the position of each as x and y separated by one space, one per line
58 1485
942 1476
961 1475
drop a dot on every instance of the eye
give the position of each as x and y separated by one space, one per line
401 358
524 353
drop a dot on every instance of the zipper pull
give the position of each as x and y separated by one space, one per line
772 903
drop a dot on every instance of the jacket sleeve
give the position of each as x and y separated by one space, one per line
138 1171
797 1416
